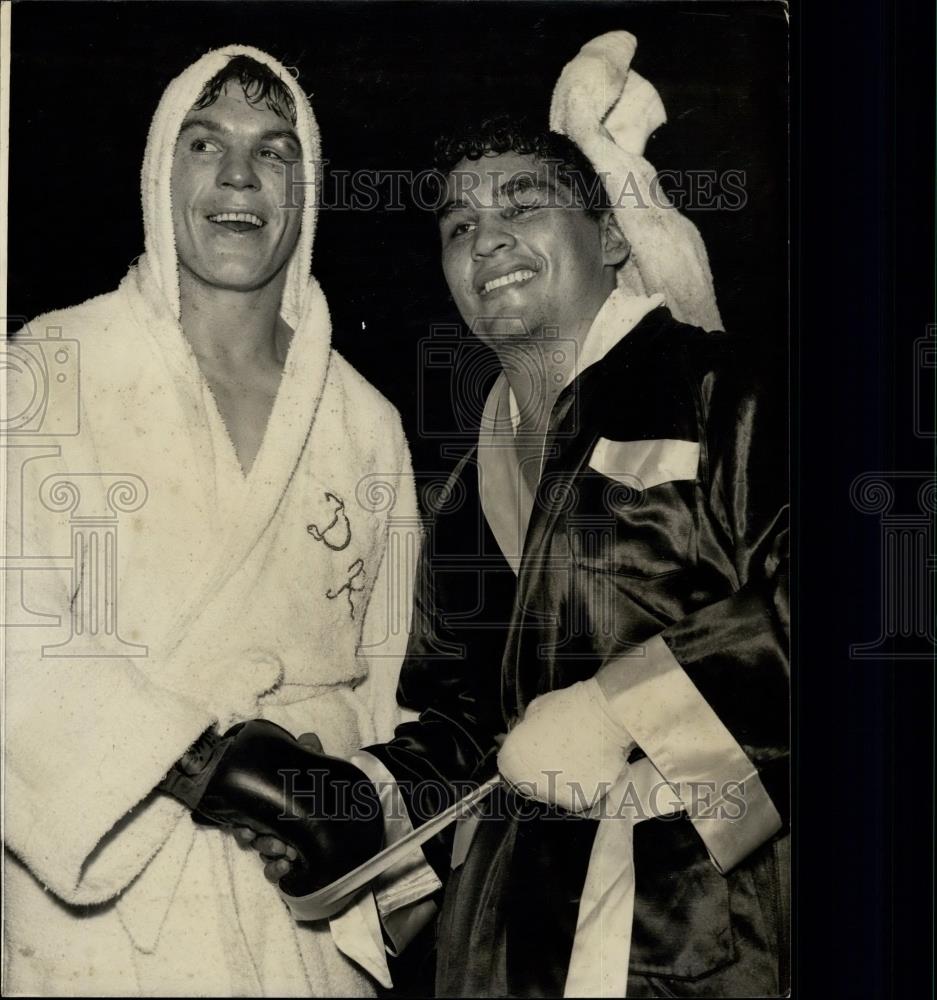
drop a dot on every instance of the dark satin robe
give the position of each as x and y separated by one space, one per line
703 564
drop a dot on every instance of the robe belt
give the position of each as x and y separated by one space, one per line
598 965
602 944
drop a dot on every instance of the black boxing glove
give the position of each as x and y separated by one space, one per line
257 775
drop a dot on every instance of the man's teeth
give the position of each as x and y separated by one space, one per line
507 279
248 217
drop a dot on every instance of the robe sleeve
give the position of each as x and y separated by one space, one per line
398 904
86 738
386 627
451 746
708 701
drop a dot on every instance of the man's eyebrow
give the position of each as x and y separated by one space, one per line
285 133
525 182
206 123
453 205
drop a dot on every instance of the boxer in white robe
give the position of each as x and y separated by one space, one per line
210 545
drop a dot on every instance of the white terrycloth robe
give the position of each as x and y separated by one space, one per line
228 607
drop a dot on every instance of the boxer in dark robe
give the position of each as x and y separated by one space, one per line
601 615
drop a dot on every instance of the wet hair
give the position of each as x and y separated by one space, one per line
259 83
505 133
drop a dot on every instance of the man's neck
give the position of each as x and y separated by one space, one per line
233 329
539 367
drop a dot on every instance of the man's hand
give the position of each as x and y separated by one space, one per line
568 750
258 776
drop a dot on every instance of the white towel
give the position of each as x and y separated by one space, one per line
609 111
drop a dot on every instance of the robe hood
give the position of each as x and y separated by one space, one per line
177 100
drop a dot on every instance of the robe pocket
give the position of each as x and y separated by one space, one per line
682 916
619 527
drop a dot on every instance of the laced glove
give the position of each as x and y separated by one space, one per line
257 775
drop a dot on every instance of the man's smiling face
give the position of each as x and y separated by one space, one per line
516 246
231 178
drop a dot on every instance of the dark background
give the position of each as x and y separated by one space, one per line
864 294
384 77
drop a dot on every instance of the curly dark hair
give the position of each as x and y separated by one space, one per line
505 133
259 83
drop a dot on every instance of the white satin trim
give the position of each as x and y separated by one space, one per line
643 464
598 966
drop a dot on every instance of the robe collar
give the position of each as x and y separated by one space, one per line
506 498
288 428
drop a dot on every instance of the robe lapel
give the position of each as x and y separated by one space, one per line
183 379
506 498
575 428
564 460
288 429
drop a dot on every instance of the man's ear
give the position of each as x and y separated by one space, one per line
615 247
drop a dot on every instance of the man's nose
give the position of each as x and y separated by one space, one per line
237 171
492 234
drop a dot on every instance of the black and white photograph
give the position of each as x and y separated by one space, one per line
398 455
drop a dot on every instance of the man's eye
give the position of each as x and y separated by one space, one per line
522 203
524 198
204 146
271 154
460 229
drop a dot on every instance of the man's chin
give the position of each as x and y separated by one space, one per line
501 328
231 278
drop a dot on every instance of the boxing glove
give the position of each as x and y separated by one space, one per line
257 775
